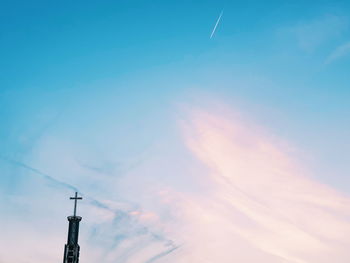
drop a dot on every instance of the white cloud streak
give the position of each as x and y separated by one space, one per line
216 24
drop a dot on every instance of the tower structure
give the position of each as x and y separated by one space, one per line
72 248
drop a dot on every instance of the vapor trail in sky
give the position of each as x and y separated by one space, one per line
216 24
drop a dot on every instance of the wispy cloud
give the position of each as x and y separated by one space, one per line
120 230
314 33
262 196
338 53
236 195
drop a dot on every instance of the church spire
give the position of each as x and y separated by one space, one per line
72 248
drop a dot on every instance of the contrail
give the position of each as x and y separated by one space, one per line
57 182
162 255
217 23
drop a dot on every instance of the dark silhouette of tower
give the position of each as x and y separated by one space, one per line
71 249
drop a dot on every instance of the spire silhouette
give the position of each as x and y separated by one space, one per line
72 248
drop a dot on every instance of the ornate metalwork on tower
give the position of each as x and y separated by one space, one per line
72 248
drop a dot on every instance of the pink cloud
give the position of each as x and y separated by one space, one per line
259 194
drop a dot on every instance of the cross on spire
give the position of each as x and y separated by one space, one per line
75 198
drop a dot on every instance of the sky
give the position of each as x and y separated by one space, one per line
187 144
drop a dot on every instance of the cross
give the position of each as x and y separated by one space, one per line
75 198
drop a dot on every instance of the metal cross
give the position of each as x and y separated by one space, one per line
75 198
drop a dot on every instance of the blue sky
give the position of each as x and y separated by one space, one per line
104 83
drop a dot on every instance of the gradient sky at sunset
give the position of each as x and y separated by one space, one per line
186 148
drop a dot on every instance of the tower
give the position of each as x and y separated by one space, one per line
71 249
